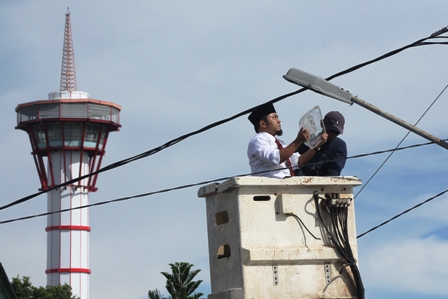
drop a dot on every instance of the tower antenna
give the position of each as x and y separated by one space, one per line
68 72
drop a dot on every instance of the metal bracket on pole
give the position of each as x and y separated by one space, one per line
275 274
327 273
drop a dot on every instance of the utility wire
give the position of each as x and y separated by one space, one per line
153 151
407 134
186 186
420 42
377 152
115 200
303 224
402 213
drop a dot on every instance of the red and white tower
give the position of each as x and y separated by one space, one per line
68 135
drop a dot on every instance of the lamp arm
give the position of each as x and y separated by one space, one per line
399 121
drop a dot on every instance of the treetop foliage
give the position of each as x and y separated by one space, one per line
24 289
179 283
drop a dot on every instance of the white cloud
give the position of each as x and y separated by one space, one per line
407 265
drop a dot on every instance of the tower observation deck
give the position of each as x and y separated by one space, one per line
68 135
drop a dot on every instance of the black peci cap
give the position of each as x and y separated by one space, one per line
261 111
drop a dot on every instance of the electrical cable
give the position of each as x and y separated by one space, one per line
116 200
374 153
335 240
340 238
420 42
405 136
402 213
193 185
352 157
153 151
303 224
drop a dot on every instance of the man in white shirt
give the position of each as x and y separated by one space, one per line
267 155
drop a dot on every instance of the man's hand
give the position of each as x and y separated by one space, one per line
309 154
323 139
303 135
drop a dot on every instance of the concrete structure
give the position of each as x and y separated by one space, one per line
68 135
259 246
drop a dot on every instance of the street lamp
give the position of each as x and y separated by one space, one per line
322 86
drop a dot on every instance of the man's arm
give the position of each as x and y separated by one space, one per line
287 151
309 154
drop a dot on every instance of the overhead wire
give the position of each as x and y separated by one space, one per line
407 134
172 142
402 213
188 186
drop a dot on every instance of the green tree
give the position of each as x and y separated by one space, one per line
24 289
155 294
179 283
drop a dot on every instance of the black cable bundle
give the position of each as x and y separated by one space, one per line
340 239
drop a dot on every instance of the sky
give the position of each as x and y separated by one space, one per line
177 66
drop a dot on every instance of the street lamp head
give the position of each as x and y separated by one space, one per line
318 84
322 86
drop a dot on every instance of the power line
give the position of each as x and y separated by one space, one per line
189 186
153 151
402 213
407 134
393 150
115 200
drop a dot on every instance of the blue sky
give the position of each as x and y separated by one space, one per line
175 67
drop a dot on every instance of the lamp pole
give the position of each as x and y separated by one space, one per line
322 86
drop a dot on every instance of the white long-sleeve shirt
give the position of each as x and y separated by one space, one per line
264 155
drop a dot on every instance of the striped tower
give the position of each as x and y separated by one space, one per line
68 135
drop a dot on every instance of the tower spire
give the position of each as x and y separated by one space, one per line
68 73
